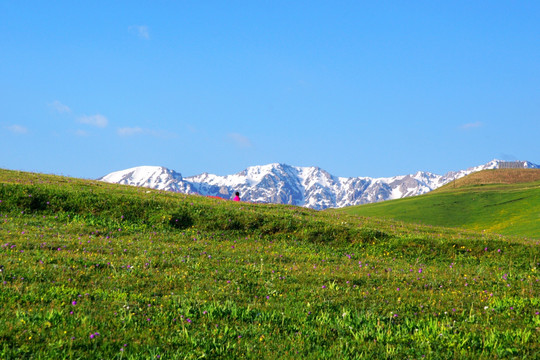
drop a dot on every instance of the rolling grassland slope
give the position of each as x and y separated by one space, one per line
505 201
91 270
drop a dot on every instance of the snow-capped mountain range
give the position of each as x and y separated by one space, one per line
311 187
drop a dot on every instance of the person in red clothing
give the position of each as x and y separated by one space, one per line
237 196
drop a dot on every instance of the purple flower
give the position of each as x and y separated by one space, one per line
73 303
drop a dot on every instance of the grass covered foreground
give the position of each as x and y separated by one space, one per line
501 201
94 270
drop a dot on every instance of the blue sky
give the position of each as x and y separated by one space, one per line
358 88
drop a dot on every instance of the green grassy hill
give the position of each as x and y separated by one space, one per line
500 201
91 270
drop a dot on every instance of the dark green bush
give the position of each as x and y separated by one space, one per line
181 220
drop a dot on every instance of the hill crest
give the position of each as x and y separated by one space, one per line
494 177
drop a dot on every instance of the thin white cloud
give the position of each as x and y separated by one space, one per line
97 120
17 129
472 125
80 132
240 140
59 107
140 30
130 131
133 131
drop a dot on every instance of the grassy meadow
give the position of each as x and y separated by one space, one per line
503 201
91 270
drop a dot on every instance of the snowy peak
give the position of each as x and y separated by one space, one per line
155 177
312 187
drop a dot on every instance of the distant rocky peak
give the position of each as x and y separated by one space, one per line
304 186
